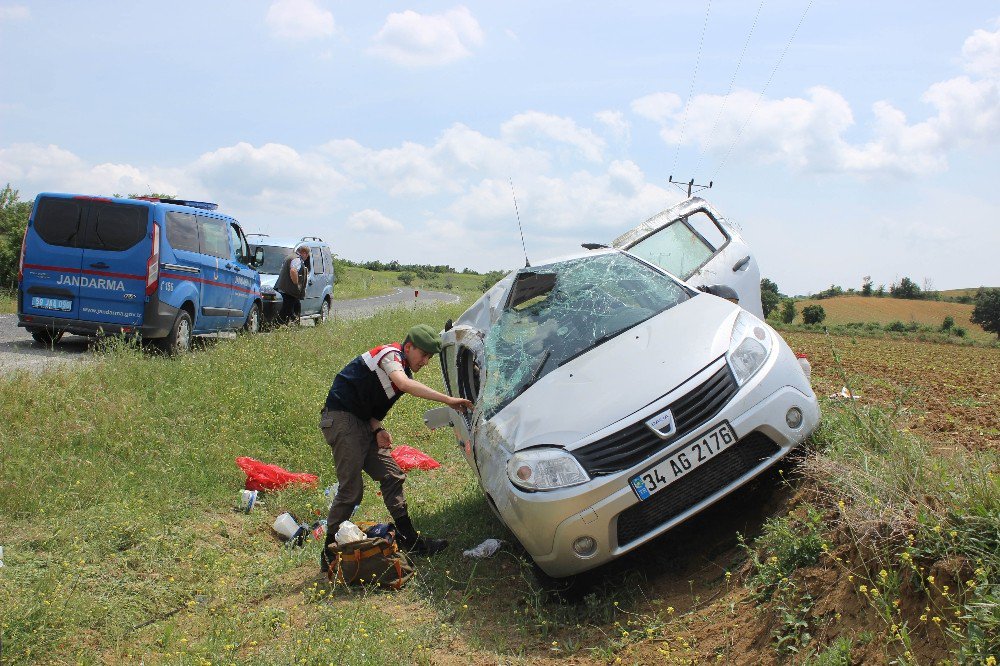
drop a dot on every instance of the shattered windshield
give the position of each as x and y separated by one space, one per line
555 313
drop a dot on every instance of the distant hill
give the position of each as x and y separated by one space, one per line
958 293
847 309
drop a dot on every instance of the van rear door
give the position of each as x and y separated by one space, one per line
116 248
53 257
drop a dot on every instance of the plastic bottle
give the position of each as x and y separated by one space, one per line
804 363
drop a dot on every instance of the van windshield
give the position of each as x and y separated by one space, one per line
274 256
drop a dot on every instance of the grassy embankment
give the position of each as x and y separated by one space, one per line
120 543
354 282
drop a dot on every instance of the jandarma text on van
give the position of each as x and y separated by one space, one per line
96 283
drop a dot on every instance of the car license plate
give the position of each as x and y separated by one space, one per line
691 455
51 303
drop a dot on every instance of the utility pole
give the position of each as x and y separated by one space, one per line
690 184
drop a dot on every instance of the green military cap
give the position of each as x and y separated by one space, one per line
426 338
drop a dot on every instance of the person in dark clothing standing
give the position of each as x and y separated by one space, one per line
351 420
291 284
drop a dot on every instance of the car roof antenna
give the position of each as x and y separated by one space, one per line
527 264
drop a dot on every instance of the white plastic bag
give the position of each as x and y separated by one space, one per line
485 549
348 532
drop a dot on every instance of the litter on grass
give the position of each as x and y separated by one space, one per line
289 529
486 549
348 532
409 458
264 476
845 394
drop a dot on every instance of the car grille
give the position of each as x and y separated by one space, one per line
637 442
693 487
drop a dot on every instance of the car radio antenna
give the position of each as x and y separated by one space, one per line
527 264
689 185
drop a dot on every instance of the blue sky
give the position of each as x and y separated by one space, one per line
865 145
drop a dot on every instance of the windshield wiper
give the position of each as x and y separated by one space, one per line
537 371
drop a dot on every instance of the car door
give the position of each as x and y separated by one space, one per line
314 281
693 242
239 277
117 246
53 257
213 236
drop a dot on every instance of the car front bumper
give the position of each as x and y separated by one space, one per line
607 509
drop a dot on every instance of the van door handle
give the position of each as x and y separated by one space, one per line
100 264
741 264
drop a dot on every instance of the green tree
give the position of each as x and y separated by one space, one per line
866 285
13 221
769 296
788 311
986 312
948 323
906 288
406 278
813 314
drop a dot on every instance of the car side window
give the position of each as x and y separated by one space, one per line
182 231
214 238
468 374
318 267
328 259
240 250
682 247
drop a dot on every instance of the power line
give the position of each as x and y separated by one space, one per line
694 76
732 83
762 91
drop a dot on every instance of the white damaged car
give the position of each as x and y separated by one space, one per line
614 400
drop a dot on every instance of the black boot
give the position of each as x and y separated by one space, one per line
324 556
410 541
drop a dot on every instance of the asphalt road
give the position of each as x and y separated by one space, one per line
19 352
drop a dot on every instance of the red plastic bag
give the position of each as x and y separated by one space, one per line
262 476
408 458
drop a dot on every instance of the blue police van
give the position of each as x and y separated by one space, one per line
164 269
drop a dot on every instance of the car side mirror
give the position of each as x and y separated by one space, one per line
722 291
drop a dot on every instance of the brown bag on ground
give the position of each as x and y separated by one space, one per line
370 561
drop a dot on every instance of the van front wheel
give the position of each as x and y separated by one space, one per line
252 324
46 336
178 341
324 312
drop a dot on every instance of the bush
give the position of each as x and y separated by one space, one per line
406 278
896 326
959 331
788 311
813 314
986 313
947 324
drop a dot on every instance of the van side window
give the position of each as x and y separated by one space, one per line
182 232
214 238
115 227
234 240
60 221
317 261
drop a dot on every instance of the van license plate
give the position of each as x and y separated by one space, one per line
690 456
51 303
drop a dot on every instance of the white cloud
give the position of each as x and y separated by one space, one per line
273 176
981 52
299 19
616 124
533 125
420 40
658 107
14 13
372 221
808 133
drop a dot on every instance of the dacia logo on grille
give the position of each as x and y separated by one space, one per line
663 424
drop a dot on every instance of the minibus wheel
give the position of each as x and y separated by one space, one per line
252 324
178 341
46 336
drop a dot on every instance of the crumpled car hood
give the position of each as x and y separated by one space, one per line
620 377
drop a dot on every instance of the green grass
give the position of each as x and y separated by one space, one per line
8 301
355 282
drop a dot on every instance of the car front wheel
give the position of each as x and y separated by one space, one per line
324 312
252 324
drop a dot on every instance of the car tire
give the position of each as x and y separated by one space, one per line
178 340
324 312
252 324
46 336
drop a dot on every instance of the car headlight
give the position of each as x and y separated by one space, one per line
749 346
545 468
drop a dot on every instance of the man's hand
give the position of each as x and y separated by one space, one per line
383 439
459 404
